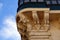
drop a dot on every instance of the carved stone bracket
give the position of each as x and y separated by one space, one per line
27 25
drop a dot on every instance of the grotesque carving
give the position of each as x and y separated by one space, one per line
38 24
30 22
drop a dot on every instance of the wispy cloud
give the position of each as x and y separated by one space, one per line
9 30
1 5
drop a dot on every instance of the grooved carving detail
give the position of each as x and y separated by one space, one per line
33 25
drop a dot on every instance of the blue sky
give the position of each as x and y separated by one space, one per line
8 29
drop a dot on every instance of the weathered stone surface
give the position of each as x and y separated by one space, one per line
38 24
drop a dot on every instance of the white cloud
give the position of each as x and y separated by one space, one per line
1 5
9 30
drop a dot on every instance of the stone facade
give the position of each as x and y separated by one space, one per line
38 24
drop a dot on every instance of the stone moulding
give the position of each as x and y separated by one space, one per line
38 24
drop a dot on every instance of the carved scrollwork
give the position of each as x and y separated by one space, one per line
26 24
22 27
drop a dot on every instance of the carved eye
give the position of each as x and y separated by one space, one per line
17 19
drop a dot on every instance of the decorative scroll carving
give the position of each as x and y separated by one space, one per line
46 20
22 27
26 24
